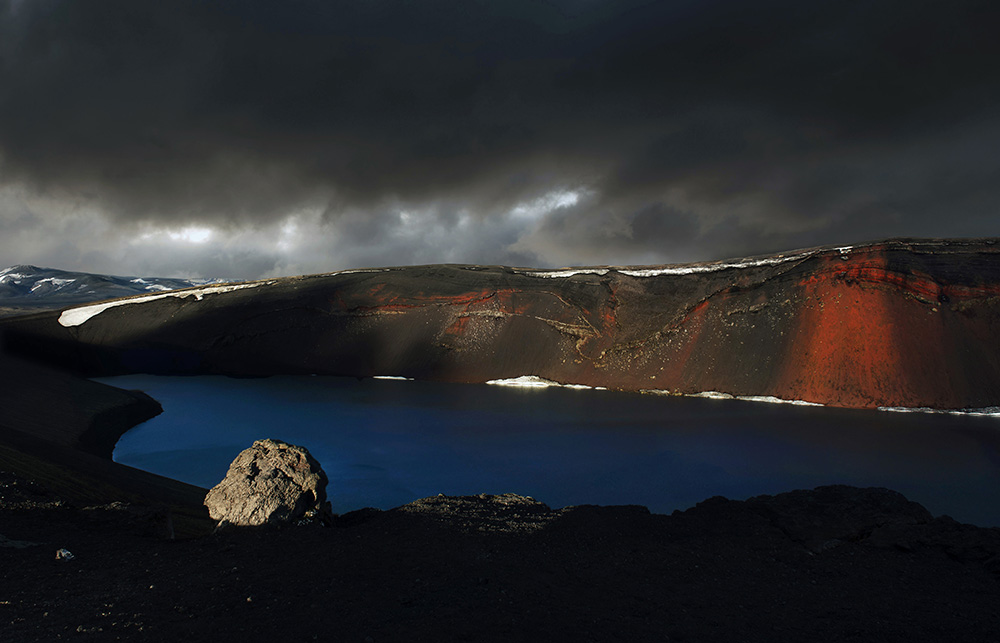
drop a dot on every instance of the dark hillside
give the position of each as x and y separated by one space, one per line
894 323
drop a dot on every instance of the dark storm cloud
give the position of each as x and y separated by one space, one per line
726 126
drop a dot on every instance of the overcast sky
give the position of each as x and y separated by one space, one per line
244 139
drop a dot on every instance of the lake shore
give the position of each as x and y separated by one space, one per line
836 563
386 442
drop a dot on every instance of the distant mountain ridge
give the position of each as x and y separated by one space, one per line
25 288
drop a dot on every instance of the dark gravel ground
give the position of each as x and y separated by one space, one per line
833 564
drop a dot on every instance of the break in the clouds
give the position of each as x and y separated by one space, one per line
243 139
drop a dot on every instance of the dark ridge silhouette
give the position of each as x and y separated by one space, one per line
907 323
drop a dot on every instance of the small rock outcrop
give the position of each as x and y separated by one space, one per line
826 516
508 512
270 483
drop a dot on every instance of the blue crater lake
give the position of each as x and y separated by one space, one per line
384 443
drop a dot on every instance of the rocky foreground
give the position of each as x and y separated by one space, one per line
833 564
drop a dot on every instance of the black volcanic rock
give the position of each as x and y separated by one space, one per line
507 513
896 323
500 568
57 433
827 516
67 410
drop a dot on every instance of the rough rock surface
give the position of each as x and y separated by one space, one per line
508 569
826 516
507 512
272 482
902 322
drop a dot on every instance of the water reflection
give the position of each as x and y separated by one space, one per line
384 443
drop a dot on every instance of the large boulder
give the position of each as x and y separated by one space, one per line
272 482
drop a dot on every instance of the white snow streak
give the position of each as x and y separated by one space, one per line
569 272
77 316
716 395
533 381
770 399
355 270
990 411
688 268
149 285
55 281
680 269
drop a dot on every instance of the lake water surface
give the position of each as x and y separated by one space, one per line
384 443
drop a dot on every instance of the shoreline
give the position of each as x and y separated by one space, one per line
833 563
94 428
64 409
60 430
616 428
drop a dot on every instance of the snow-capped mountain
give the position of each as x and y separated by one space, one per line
26 288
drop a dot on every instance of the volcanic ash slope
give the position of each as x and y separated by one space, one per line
899 323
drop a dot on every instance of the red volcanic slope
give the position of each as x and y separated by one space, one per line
894 323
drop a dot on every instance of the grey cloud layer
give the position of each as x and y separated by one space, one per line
696 129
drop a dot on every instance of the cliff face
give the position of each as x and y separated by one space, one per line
894 323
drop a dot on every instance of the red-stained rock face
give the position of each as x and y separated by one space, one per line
863 344
895 323
869 335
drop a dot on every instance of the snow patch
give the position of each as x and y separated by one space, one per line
992 411
717 395
989 411
689 269
55 281
16 277
533 381
392 377
153 287
567 272
770 399
712 395
77 316
679 269
355 270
